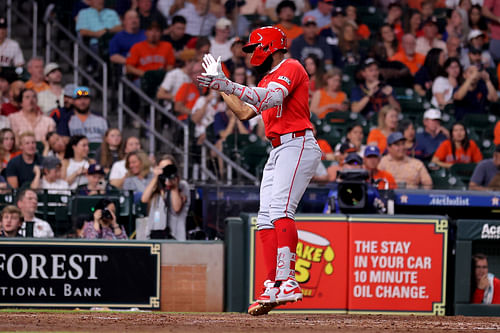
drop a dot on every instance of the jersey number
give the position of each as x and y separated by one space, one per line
280 111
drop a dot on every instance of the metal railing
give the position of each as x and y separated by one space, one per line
12 11
51 25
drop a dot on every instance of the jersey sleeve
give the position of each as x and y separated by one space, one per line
291 75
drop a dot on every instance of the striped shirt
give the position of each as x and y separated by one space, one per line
93 127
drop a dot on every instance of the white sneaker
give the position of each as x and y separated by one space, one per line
289 291
263 304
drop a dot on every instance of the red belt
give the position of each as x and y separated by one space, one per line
276 141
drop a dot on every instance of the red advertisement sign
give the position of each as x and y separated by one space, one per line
397 266
321 266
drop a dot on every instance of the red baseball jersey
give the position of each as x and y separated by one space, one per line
293 115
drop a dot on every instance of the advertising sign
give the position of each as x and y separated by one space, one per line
79 274
397 265
321 266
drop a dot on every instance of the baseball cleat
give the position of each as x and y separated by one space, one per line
269 294
289 291
259 309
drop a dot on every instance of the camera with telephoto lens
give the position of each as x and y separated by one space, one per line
106 215
169 172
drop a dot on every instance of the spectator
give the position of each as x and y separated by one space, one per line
237 59
322 13
486 175
349 44
406 127
310 43
63 114
118 171
5 79
202 46
394 17
443 86
381 179
20 168
432 67
453 47
108 152
491 11
204 111
457 149
139 172
331 34
485 284
54 145
473 94
96 21
83 122
27 202
387 124
354 139
168 198
187 94
8 149
104 224
96 185
240 23
407 171
10 52
76 163
177 35
150 54
48 177
37 78
476 20
372 94
14 104
200 21
53 97
29 118
363 32
411 59
432 136
271 5
429 40
148 14
413 23
220 44
122 42
314 69
11 222
175 78
286 13
427 10
386 45
475 55
329 98
454 26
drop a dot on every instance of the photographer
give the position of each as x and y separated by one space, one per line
168 202
104 224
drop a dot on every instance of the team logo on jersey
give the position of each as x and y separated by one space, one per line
284 78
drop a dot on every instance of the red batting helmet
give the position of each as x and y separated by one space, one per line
263 42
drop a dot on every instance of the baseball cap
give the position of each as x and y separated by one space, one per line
368 62
50 67
223 23
69 89
95 169
3 23
51 162
395 137
353 158
372 151
336 11
474 33
431 20
309 19
432 114
81 91
346 147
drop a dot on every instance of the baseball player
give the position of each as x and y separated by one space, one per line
282 98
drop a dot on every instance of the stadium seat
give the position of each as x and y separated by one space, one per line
151 80
253 154
462 171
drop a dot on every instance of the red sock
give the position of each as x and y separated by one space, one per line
270 248
286 233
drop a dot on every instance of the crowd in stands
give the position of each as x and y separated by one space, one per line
410 86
